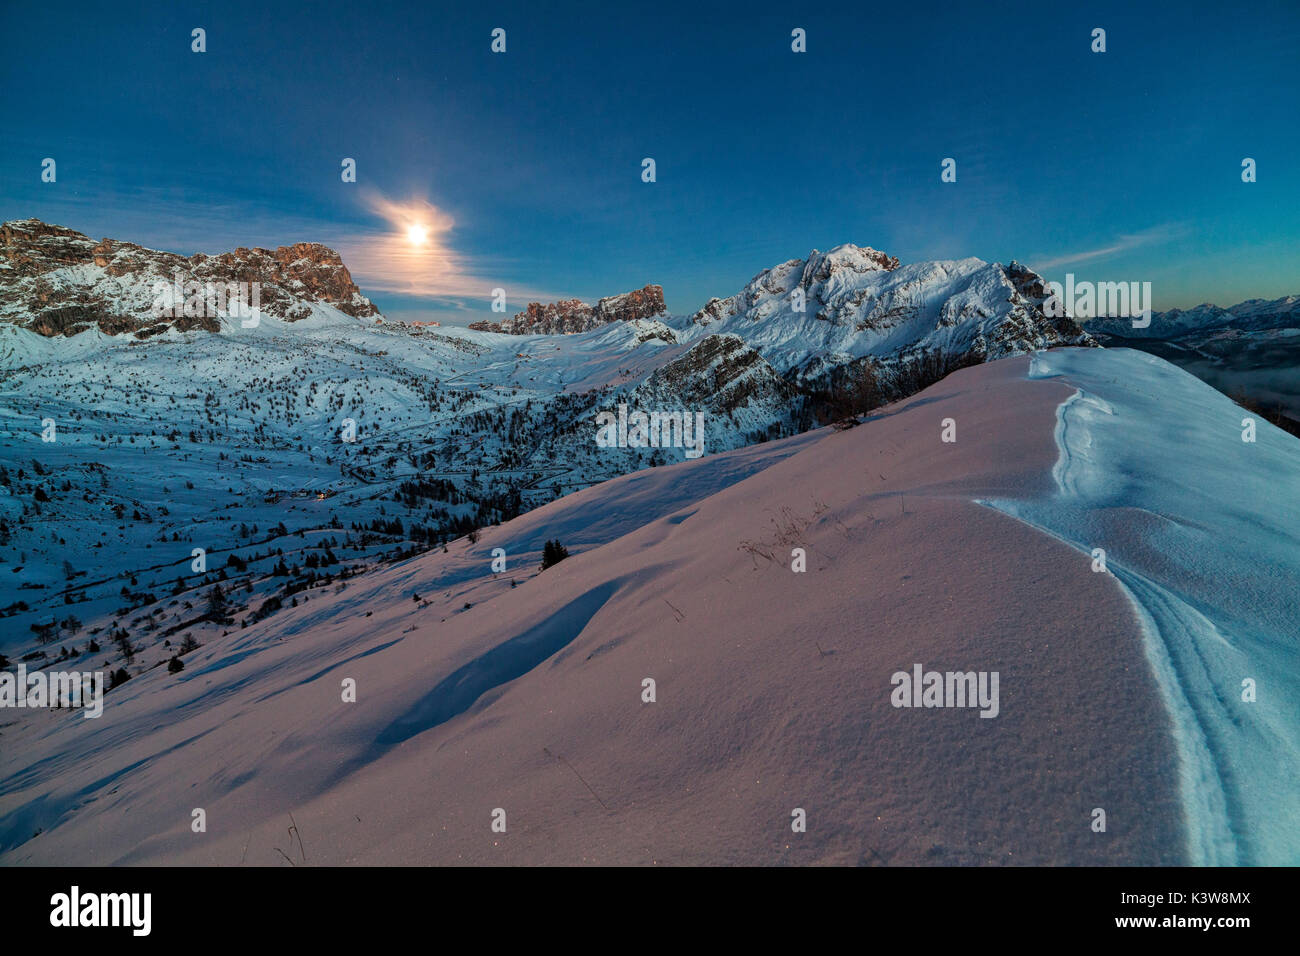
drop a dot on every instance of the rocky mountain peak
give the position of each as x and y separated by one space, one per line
820 266
57 281
821 277
569 316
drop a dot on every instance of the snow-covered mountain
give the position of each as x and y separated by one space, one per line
851 303
198 489
323 438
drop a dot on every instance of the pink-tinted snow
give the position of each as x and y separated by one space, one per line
773 688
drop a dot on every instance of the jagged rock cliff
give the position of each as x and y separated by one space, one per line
570 316
57 281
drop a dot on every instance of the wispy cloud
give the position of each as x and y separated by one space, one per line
1126 242
413 255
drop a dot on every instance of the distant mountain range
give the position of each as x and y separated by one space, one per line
802 341
1250 351
1251 315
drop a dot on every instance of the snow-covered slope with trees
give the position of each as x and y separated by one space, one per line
201 431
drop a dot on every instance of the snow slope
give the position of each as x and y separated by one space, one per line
1203 531
523 691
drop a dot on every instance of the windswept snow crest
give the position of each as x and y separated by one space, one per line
1202 529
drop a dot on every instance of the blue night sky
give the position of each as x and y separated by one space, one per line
1119 166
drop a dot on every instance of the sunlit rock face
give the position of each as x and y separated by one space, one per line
57 281
570 316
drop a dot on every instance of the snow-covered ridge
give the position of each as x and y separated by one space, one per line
1202 529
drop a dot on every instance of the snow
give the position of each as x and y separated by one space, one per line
854 307
1121 690
1203 531
521 690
